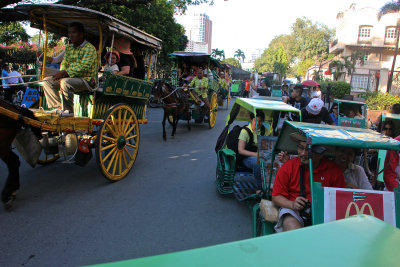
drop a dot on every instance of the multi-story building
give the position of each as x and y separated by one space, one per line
199 31
360 30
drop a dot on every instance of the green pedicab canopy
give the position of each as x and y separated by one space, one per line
356 241
328 135
247 105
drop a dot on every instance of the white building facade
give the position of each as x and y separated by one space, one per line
360 30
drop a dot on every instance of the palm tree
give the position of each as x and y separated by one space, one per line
391 7
338 65
214 52
239 54
222 54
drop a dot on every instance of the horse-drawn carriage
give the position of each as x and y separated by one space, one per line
106 118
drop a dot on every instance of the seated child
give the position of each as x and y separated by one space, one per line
111 66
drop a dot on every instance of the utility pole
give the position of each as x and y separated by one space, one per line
389 84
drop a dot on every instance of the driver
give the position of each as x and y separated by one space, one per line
77 72
286 189
200 91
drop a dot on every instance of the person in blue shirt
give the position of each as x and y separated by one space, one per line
334 113
7 90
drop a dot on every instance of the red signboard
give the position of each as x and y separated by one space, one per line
351 203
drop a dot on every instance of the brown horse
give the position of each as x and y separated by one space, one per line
175 103
8 130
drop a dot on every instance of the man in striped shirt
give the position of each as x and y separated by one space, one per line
77 72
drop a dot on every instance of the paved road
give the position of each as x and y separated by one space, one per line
66 215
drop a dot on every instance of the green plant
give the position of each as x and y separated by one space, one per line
380 101
339 89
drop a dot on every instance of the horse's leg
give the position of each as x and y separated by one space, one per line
188 115
175 121
12 183
163 125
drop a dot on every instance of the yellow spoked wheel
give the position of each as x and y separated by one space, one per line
117 142
213 110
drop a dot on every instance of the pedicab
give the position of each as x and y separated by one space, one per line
380 168
327 203
231 175
106 118
236 87
346 107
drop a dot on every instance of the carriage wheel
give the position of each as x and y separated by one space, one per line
117 142
213 110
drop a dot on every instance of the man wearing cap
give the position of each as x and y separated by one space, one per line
286 189
315 112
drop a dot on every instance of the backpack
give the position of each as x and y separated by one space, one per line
232 140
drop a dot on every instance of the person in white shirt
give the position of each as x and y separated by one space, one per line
317 93
16 79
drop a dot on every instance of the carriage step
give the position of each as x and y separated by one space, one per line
245 186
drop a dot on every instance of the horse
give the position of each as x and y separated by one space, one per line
175 102
8 131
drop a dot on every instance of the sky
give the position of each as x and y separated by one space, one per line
251 24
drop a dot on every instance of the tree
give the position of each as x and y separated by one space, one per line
12 32
156 19
269 59
301 68
239 54
234 62
391 7
216 53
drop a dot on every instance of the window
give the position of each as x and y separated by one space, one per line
364 32
390 33
366 55
359 82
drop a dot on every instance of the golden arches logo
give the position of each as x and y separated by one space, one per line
359 211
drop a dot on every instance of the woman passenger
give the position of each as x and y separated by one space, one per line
334 113
127 61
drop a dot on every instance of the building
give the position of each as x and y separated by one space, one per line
199 33
360 30
200 47
256 54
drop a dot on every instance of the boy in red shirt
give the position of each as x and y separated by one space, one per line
286 189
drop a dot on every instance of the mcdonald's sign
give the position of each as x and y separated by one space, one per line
358 211
350 203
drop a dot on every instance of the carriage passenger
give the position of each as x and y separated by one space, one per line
77 72
127 61
247 146
200 92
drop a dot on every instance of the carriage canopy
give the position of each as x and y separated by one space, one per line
58 17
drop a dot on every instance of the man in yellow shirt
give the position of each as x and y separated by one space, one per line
200 92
